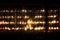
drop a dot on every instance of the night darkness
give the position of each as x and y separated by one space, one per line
31 5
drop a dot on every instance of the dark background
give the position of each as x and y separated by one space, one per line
30 4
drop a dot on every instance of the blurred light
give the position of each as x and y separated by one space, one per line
20 22
31 28
30 10
11 11
6 10
20 28
2 22
38 28
12 17
54 21
0 28
7 16
50 28
26 16
23 23
24 10
29 21
42 10
53 28
42 22
38 16
7 28
17 28
52 16
25 29
3 10
38 22
55 11
13 28
18 16
12 23
51 10
6 22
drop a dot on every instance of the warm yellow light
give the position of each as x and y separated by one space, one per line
42 22
38 28
7 10
42 10
19 17
25 28
26 16
6 27
29 21
6 22
42 28
24 10
17 28
38 16
20 22
49 27
31 28
54 21
12 17
55 28
11 22
52 16
13 28
1 22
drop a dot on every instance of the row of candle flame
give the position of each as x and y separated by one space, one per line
35 22
37 16
24 10
30 28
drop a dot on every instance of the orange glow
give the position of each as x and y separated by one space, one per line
1 22
53 28
13 28
54 21
39 28
28 26
29 21
17 28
